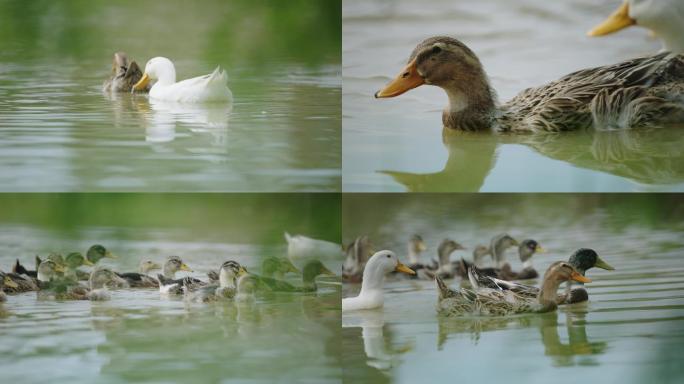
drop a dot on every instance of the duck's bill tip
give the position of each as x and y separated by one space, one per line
578 277
618 20
603 265
404 269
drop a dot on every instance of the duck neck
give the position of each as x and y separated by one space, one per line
373 278
169 271
167 76
670 34
548 293
413 255
470 107
226 280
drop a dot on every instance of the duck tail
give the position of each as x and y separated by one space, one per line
18 268
473 277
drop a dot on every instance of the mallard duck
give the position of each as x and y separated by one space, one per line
172 265
56 286
6 283
665 18
371 295
312 270
357 255
22 283
48 270
526 249
500 302
301 250
277 267
642 92
97 252
207 88
124 75
582 260
226 288
101 279
168 284
446 269
141 279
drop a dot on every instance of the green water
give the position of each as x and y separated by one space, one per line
59 132
398 145
139 336
631 330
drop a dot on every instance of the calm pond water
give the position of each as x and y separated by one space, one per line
59 132
399 144
631 330
138 336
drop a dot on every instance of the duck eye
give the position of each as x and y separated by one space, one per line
388 255
405 75
436 49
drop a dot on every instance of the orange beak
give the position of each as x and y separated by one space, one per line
578 277
402 268
406 81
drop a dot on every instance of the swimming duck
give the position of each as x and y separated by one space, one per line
124 75
416 246
207 88
22 283
301 250
48 270
277 267
226 288
172 265
312 270
446 268
665 18
500 302
5 283
168 284
642 92
582 260
101 279
371 295
526 249
357 255
141 279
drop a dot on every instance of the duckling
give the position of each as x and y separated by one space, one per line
141 279
642 92
526 250
22 283
5 283
500 302
312 270
416 246
357 254
172 265
582 260
226 288
446 269
277 267
97 252
49 270
497 249
167 282
371 295
664 18
124 75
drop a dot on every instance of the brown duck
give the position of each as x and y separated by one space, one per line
124 75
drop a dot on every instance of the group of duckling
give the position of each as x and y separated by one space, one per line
61 277
640 92
492 291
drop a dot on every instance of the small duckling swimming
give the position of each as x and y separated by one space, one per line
416 246
357 254
227 287
6 282
168 284
124 75
141 279
446 268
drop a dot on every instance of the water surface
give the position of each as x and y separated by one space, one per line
59 132
399 144
631 330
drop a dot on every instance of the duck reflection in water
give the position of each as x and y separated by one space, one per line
648 156
377 340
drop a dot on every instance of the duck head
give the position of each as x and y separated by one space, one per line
528 248
584 259
664 17
229 272
148 265
97 252
75 260
159 69
48 270
447 63
174 264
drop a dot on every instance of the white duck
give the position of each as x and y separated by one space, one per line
371 296
207 88
665 18
301 250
